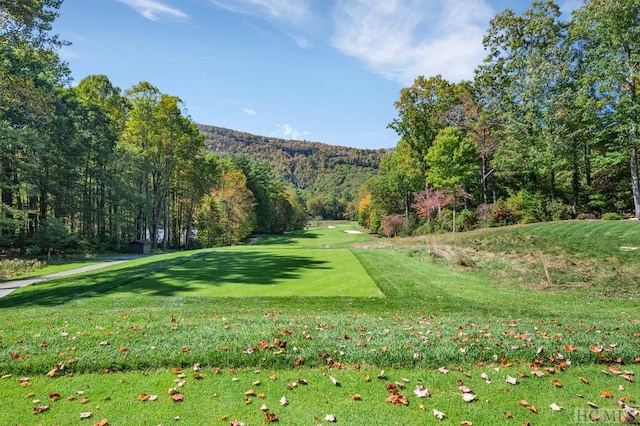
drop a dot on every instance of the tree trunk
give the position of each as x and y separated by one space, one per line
635 184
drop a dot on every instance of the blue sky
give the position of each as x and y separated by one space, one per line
319 70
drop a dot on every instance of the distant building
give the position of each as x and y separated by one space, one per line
140 247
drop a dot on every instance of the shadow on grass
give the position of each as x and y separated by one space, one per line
288 238
221 268
91 284
166 278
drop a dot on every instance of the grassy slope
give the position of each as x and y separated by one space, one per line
434 314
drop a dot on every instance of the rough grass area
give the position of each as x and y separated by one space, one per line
598 258
115 335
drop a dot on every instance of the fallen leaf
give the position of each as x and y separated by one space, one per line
270 417
334 381
330 418
556 407
533 409
397 398
40 409
84 400
606 394
523 402
103 422
443 370
592 405
356 397
627 377
85 415
421 392
438 414
177 397
54 396
584 380
468 397
284 400
264 407
556 383
465 389
466 423
511 380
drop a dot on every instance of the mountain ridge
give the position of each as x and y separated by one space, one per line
330 175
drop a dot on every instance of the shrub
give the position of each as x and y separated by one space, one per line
503 213
408 226
425 228
13 268
483 213
444 221
611 216
392 224
465 220
558 210
533 207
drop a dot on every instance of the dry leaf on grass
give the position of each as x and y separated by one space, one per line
438 414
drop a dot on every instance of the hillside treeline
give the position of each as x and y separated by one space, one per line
330 176
92 167
548 128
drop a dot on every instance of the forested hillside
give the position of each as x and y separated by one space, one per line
330 176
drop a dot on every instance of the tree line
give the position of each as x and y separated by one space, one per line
93 167
546 130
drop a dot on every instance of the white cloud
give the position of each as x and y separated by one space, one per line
249 111
296 11
288 132
152 9
401 39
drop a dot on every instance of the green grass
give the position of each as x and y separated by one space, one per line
262 271
234 308
215 398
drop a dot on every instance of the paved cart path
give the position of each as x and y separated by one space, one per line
9 286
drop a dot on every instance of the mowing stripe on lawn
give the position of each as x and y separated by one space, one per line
261 271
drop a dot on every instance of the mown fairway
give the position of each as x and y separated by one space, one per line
305 308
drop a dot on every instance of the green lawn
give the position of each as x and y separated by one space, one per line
252 312
261 271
